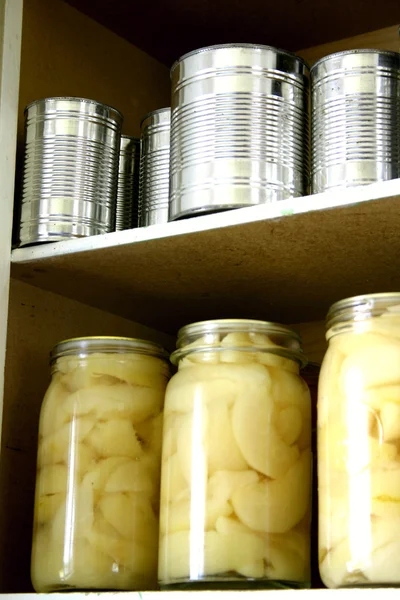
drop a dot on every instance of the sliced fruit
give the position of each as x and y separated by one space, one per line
289 424
51 417
258 441
191 446
63 445
276 506
390 419
173 482
131 515
53 480
222 449
47 506
116 437
371 365
223 484
131 476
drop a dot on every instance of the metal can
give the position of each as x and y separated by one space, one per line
154 167
359 443
70 169
355 119
239 128
126 215
98 470
236 474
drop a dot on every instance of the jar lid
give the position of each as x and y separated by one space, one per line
361 308
280 339
108 345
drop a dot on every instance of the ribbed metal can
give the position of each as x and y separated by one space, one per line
239 128
126 214
154 167
70 169
355 119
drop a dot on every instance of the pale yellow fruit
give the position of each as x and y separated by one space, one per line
131 515
341 566
223 484
193 386
358 339
64 444
236 340
51 417
179 515
289 424
116 437
276 506
390 419
256 437
282 564
173 483
385 490
98 477
141 559
131 476
227 525
219 554
171 428
371 365
120 401
150 433
384 566
53 480
331 400
47 506
253 570
192 448
222 449
377 397
289 390
47 564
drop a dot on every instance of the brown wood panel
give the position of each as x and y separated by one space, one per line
168 28
384 39
65 53
37 321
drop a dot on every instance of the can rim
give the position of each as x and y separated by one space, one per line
76 99
155 112
355 51
238 45
70 346
130 137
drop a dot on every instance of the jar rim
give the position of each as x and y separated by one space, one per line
293 351
360 308
107 345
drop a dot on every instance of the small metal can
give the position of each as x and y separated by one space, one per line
70 169
126 215
355 119
154 167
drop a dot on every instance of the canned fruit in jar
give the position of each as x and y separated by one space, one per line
359 455
235 487
97 492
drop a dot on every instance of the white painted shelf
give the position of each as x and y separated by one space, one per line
286 261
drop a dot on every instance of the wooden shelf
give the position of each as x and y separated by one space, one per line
286 261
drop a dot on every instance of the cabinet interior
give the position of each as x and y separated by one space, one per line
65 52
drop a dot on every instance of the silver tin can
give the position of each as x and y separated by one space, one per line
126 214
239 128
154 167
70 169
355 119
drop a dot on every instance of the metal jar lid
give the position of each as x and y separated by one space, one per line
83 346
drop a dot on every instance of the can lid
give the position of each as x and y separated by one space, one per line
107 345
354 52
54 99
166 110
258 47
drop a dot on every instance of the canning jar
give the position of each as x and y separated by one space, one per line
236 460
98 469
359 443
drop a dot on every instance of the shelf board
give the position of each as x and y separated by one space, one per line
286 261
316 594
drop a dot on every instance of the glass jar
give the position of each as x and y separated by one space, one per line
98 470
359 443
236 461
